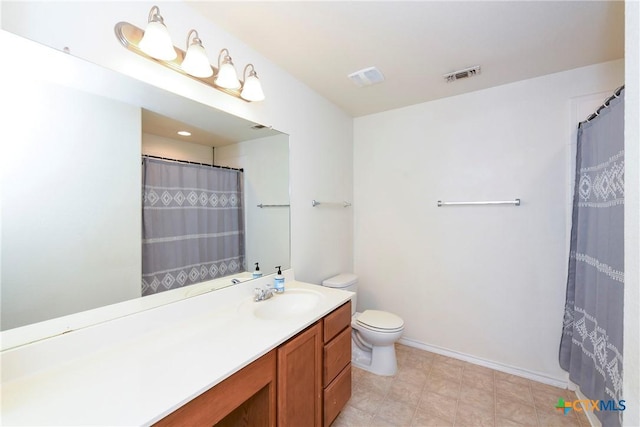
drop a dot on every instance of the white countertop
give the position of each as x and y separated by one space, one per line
139 368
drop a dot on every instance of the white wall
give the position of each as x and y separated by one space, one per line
64 196
266 181
321 152
486 282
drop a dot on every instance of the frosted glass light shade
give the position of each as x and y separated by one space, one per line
157 43
196 61
252 89
227 76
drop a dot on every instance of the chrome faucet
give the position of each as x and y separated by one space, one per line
261 294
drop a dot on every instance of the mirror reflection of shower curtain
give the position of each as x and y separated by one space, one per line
591 344
192 224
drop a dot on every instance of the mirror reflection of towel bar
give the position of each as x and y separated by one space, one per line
515 202
315 203
272 206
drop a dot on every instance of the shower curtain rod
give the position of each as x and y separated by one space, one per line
192 163
605 104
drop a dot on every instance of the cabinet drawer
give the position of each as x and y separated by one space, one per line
336 321
337 354
337 395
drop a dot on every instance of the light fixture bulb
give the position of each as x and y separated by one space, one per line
251 89
227 76
196 61
156 41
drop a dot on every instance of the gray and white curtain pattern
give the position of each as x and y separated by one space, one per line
591 344
192 224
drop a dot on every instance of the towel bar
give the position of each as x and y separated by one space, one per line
315 203
515 202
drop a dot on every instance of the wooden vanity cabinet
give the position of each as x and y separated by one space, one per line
305 382
314 372
300 379
336 372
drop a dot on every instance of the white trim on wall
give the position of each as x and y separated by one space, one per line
509 369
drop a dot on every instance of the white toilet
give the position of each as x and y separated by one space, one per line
374 332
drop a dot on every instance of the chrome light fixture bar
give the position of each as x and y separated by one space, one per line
155 44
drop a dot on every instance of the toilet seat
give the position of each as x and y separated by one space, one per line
380 321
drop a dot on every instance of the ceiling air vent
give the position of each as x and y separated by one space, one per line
462 74
366 77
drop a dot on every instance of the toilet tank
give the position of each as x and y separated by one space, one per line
346 282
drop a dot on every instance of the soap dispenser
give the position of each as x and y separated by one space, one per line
278 282
257 273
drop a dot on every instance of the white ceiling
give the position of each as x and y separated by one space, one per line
414 43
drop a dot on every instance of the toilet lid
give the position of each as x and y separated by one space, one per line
382 320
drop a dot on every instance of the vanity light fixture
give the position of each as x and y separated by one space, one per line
252 89
227 76
196 61
155 44
156 41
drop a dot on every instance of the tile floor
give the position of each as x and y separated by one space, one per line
433 390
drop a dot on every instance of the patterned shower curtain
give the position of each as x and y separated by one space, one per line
591 344
192 224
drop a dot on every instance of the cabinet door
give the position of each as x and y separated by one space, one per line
299 387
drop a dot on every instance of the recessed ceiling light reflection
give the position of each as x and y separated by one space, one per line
184 133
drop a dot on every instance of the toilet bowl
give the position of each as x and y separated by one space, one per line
374 332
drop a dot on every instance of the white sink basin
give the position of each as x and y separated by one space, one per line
292 303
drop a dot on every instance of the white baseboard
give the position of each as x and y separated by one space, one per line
525 373
593 420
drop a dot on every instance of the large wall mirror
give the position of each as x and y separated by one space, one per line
71 182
